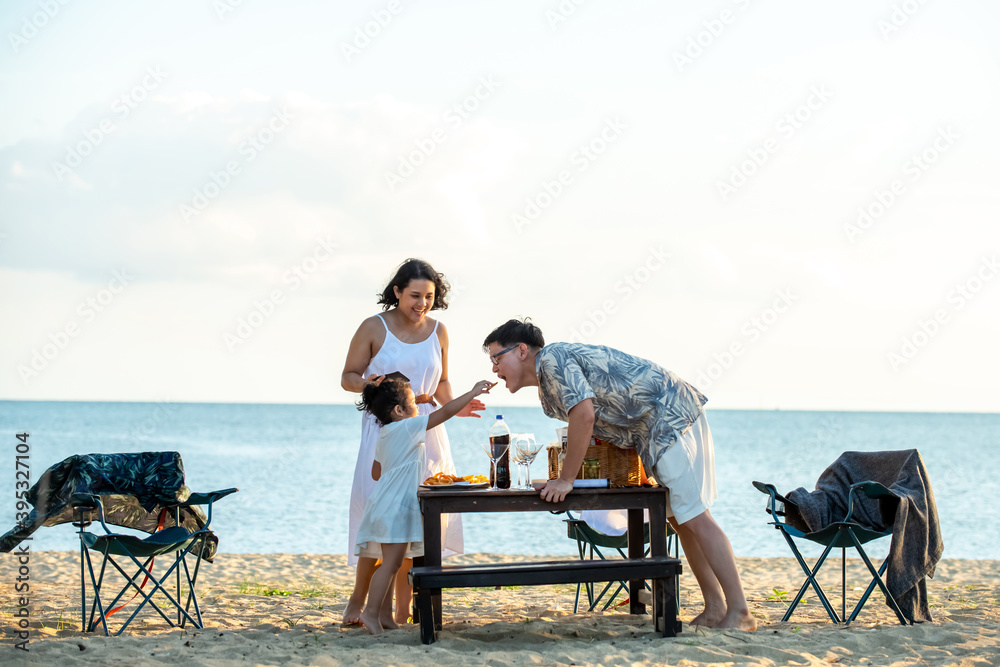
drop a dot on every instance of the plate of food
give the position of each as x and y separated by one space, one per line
443 480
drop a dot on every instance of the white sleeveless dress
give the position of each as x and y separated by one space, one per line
421 362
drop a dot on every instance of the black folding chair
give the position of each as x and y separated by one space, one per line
142 491
844 534
140 553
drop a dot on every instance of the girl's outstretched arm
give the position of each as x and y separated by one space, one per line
452 408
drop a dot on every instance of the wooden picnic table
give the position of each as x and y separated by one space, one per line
429 576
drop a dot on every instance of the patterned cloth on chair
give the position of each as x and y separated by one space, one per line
134 488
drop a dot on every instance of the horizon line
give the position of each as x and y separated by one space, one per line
538 407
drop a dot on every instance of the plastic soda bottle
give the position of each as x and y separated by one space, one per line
500 435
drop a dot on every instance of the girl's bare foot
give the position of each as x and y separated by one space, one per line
738 620
352 615
708 618
371 624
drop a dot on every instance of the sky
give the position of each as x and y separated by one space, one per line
791 205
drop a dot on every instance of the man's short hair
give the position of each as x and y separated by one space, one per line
513 332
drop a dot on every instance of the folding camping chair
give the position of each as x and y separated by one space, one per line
845 533
144 491
140 553
590 541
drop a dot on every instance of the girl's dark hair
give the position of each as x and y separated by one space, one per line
513 332
415 269
381 400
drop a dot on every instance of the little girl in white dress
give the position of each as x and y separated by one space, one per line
391 526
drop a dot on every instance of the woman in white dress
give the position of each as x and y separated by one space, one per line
406 340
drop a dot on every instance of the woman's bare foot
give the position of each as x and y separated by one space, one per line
352 615
738 620
387 623
402 617
371 624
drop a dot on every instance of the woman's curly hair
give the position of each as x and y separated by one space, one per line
415 269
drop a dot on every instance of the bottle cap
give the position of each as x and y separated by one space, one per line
499 416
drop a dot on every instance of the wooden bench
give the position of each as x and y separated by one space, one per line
427 582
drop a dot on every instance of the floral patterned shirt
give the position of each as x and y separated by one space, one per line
637 404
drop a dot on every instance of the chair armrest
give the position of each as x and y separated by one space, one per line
84 500
775 497
873 489
90 502
870 489
208 498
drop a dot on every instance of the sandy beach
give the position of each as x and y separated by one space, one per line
271 609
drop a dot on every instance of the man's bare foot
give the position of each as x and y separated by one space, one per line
352 615
708 618
738 620
371 624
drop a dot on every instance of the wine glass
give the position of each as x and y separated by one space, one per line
528 448
495 452
517 457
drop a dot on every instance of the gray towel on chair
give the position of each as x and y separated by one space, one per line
912 514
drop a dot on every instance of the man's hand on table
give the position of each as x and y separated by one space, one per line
556 490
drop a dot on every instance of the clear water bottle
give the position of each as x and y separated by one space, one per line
500 435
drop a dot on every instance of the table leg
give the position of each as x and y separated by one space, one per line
423 603
636 549
671 626
418 561
432 558
658 527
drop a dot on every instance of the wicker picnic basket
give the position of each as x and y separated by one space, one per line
621 467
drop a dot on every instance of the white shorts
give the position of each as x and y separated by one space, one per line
687 469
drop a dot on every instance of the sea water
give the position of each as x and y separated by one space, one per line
294 465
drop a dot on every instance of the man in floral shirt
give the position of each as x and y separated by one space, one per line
635 403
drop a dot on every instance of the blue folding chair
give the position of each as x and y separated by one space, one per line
144 491
590 541
844 534
177 541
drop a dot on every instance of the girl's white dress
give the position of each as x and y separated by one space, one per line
421 362
392 514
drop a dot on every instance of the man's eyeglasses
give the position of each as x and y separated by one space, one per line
495 358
